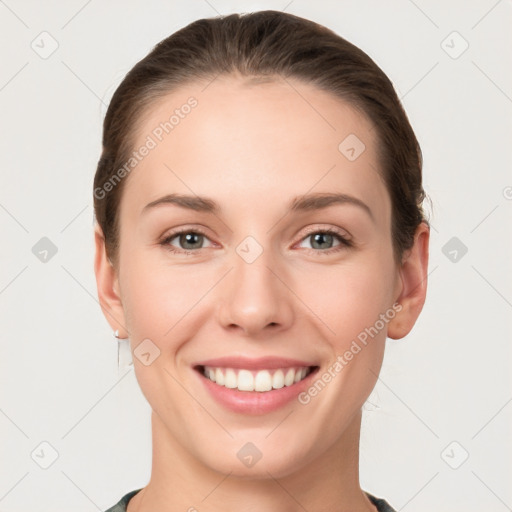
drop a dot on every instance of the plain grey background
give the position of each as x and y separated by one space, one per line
436 429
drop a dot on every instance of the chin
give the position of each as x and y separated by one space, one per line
258 460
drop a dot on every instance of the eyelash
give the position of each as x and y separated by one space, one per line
344 242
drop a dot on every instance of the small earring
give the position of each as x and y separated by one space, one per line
124 353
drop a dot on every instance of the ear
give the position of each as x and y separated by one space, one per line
107 283
412 284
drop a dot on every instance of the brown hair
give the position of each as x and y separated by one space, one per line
264 44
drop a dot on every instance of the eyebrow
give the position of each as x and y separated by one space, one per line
308 202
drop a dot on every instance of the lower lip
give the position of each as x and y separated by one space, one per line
255 402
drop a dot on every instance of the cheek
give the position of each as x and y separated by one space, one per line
156 297
349 298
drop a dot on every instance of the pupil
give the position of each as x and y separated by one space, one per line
321 238
188 238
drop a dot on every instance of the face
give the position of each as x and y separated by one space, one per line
272 281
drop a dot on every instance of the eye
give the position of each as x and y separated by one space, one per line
189 239
324 238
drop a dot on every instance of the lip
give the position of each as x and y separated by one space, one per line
260 363
253 402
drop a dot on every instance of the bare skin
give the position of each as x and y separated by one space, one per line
252 149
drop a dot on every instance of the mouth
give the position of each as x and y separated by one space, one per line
258 381
254 386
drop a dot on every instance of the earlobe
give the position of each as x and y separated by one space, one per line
108 286
413 276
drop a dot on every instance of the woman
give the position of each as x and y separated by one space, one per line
259 235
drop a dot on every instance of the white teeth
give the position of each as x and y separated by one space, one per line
231 380
278 380
219 377
261 381
288 379
245 381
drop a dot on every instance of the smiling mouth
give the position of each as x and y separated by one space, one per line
258 381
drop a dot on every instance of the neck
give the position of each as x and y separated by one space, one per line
181 482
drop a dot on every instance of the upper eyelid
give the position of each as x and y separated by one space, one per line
339 231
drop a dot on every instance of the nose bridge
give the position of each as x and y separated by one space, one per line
255 297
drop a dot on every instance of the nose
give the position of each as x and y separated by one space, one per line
256 298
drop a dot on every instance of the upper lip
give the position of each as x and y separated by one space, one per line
260 363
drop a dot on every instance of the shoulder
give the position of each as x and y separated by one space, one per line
121 505
381 504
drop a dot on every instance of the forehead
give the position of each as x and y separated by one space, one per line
272 139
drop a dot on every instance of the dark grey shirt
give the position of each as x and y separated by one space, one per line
382 505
